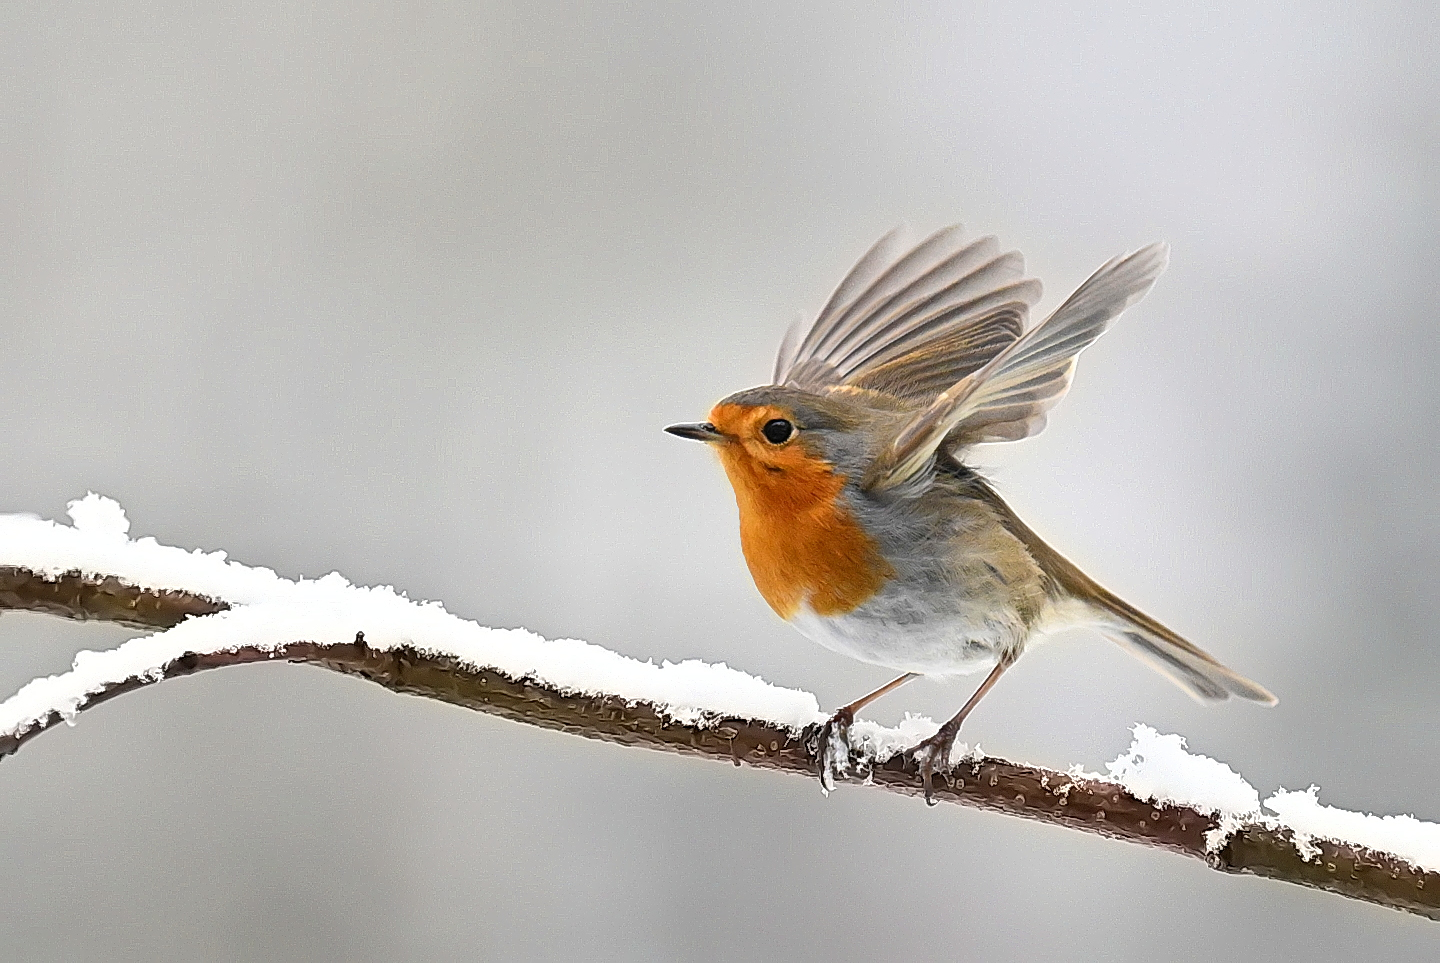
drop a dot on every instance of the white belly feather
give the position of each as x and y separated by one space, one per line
887 631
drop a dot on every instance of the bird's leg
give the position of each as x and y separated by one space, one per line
831 747
934 753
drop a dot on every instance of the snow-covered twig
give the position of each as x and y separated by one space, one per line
213 613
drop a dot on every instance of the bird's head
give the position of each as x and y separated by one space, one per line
776 438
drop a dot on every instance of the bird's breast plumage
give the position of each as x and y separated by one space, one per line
801 541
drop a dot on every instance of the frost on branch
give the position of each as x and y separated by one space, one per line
215 612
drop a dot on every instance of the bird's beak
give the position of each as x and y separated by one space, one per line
699 432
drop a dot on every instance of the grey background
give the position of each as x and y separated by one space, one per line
408 290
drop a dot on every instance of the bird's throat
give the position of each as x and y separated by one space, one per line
800 539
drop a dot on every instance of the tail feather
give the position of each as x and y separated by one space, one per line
1187 665
1193 681
1183 663
1204 678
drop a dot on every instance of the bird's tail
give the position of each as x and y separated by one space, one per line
1185 664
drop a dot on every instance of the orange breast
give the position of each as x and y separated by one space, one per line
800 540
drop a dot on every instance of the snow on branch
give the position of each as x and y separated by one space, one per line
211 612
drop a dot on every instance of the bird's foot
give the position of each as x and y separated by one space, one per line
932 756
830 747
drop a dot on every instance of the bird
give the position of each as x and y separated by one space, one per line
862 523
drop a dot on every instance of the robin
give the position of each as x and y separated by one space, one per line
860 521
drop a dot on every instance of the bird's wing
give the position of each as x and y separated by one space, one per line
911 321
1007 398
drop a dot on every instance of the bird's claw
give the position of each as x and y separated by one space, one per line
830 747
932 756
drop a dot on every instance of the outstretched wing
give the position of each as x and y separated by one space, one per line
910 322
1007 398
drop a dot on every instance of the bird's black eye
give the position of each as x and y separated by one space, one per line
777 431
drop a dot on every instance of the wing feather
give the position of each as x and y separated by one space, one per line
1008 397
922 372
897 279
959 275
870 266
943 316
910 322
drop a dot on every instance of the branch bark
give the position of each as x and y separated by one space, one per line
990 783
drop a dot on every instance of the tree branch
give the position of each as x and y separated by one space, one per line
1053 797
